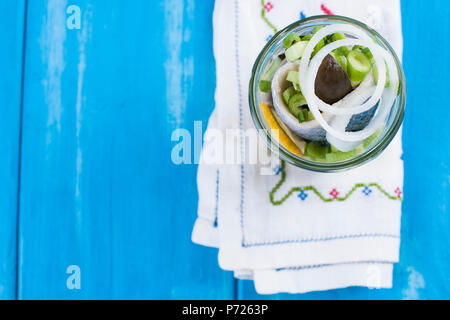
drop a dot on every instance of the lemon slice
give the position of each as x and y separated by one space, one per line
283 138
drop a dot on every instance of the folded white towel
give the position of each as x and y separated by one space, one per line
321 231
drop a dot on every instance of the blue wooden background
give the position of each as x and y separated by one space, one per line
85 171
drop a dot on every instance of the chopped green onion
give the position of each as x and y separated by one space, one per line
354 83
317 29
295 52
273 68
295 102
301 117
336 155
265 86
305 114
367 52
364 50
307 37
291 39
337 36
342 50
359 149
288 93
310 116
342 60
334 149
340 156
292 76
319 46
358 65
328 39
316 150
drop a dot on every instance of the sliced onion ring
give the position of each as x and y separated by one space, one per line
314 68
307 86
387 100
341 122
319 35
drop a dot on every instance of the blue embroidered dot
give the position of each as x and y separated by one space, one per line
277 170
303 195
269 37
302 15
367 191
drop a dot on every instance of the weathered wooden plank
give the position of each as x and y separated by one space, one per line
99 188
424 252
12 22
424 255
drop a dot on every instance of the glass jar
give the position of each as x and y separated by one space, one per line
274 48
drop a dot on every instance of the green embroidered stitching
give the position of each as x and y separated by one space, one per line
263 16
313 189
384 192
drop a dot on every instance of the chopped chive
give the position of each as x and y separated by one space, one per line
265 86
294 79
317 29
341 59
307 37
305 114
334 149
354 83
297 87
317 150
343 50
295 102
288 93
319 46
273 67
358 65
339 156
367 52
295 51
291 39
337 36
301 117
364 50
292 76
310 116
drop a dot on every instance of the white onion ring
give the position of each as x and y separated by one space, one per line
341 122
319 35
387 98
359 94
317 61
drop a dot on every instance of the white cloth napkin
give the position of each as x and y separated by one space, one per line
332 231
